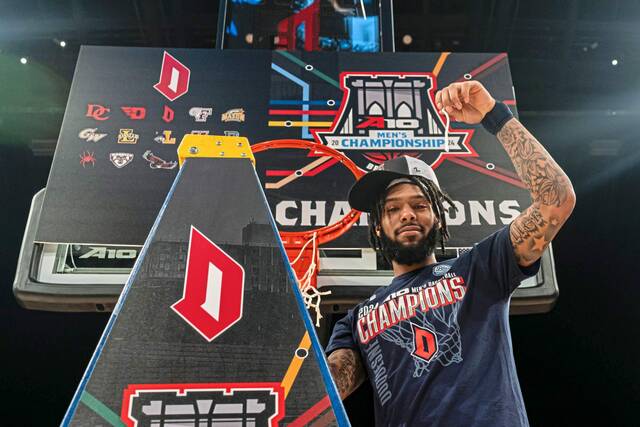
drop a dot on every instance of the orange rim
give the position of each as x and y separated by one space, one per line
293 239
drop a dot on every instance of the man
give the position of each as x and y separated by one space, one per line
435 344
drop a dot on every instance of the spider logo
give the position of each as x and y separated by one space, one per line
87 157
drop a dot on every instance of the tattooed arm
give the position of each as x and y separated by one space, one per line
551 190
347 370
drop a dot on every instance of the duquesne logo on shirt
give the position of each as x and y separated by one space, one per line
406 303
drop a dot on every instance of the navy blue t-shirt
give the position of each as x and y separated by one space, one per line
436 343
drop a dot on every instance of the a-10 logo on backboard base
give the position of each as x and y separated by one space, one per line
229 404
383 115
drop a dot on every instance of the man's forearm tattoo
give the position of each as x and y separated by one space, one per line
540 173
533 233
347 370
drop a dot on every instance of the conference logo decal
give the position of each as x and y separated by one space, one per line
233 115
168 114
120 160
135 113
200 114
174 78
207 404
384 115
91 135
211 277
156 162
97 112
87 158
165 138
127 136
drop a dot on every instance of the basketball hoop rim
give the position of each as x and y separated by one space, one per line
297 239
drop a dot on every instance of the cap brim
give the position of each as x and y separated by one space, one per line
365 191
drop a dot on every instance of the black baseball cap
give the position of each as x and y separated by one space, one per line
367 189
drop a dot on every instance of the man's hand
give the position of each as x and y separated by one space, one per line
465 102
347 370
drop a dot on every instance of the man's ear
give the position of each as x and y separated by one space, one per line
378 231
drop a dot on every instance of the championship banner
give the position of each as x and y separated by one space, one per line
130 107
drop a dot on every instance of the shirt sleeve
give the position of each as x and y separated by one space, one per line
342 336
496 256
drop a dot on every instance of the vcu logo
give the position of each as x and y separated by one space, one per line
383 114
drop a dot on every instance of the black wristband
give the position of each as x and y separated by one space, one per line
495 119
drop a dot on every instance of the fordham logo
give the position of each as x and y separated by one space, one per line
174 78
211 277
383 115
217 404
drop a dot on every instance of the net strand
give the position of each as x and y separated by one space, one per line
310 294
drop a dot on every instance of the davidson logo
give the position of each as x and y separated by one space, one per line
386 114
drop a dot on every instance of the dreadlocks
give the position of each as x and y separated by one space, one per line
434 195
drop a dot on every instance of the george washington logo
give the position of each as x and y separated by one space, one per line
383 115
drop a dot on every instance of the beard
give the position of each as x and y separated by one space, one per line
411 253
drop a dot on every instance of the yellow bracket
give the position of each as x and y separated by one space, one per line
214 146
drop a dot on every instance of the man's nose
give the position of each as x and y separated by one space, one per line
407 214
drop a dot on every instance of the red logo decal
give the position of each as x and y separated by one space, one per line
135 113
212 276
168 114
425 343
174 78
97 112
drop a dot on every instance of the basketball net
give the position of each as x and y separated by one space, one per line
306 281
302 247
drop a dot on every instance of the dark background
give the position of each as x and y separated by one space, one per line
578 365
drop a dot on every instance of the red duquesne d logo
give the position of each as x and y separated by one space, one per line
211 277
174 78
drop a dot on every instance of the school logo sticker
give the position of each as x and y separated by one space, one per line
168 114
233 115
120 160
87 158
200 114
206 404
231 133
383 115
135 113
126 136
97 112
212 277
91 135
156 162
165 138
174 78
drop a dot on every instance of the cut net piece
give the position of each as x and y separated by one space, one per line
305 265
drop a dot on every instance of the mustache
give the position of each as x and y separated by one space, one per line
404 227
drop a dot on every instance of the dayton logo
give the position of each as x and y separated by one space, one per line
213 288
383 115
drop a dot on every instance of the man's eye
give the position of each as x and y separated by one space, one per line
392 209
421 206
